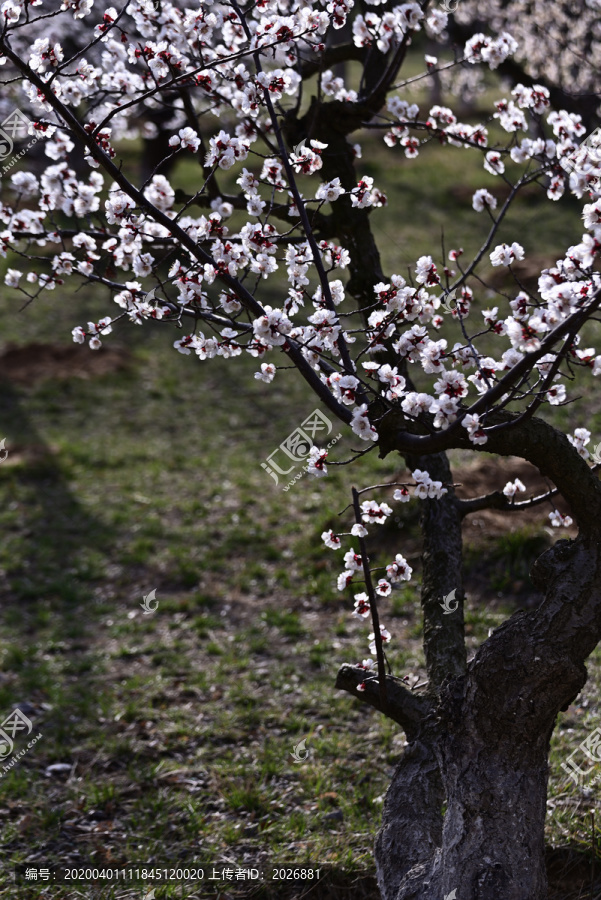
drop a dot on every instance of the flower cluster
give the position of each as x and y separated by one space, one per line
214 262
579 440
512 488
246 256
399 570
557 519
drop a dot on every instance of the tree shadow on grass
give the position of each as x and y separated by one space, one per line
46 593
52 529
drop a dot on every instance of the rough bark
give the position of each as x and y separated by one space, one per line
403 706
442 573
411 832
490 737
491 730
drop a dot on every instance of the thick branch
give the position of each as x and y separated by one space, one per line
331 57
534 440
404 707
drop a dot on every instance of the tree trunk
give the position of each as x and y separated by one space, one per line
491 845
489 733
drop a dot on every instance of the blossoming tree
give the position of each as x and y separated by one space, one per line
559 45
280 194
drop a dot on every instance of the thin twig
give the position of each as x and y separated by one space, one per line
373 606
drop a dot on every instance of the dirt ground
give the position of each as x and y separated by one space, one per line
38 362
